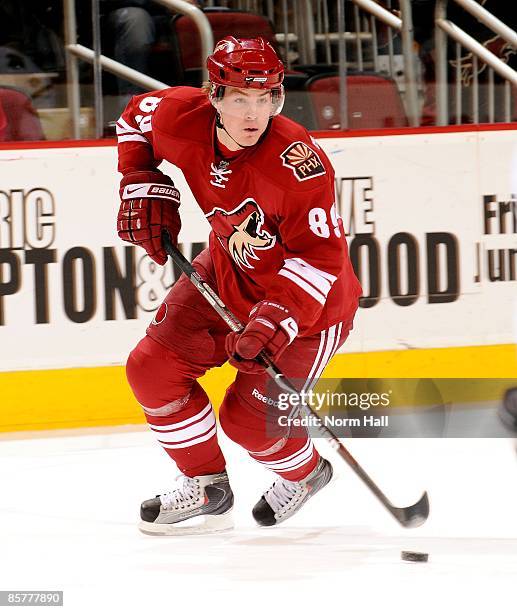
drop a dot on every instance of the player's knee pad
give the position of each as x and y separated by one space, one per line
246 425
156 381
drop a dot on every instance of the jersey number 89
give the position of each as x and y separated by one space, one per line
318 222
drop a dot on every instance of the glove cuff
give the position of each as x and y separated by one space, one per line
150 190
147 184
266 312
146 176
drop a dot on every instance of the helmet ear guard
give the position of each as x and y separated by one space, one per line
215 95
277 99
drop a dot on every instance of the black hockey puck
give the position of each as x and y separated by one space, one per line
417 557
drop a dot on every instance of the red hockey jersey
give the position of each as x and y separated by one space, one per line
276 233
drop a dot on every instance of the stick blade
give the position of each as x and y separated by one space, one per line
415 515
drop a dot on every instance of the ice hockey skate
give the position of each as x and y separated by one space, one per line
284 498
201 504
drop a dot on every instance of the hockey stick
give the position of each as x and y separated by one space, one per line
409 516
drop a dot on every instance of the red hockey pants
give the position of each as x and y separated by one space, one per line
185 339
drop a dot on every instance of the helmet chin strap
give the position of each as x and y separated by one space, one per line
220 125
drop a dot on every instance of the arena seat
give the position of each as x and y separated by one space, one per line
223 22
374 101
18 118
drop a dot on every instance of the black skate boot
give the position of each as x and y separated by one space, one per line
284 498
201 504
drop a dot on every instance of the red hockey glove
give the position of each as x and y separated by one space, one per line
149 204
271 328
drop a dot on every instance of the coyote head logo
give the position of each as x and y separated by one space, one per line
499 47
240 231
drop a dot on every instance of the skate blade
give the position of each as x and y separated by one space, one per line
197 525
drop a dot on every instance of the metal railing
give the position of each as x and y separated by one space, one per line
444 29
75 51
374 38
304 32
363 34
303 23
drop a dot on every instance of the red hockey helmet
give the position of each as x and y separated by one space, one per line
247 62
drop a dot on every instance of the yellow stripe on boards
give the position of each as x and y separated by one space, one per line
80 397
496 361
92 397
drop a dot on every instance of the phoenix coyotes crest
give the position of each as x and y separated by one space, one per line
303 161
240 231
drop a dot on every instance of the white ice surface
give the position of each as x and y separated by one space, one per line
69 510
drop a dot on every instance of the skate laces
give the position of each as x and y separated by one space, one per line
185 494
281 493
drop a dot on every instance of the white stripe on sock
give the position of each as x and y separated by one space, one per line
206 410
181 435
296 466
293 459
207 436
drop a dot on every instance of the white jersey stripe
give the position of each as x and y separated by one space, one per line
310 274
137 137
312 291
319 285
124 125
330 277
121 130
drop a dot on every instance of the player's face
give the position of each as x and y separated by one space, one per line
245 113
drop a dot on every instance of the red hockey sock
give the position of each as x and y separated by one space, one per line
177 409
292 457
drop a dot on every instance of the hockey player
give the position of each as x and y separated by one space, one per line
278 257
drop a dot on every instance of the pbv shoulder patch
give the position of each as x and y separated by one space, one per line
303 161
